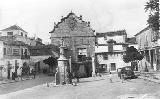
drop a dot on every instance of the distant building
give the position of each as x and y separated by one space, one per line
79 39
149 45
15 50
13 55
109 50
14 30
132 42
20 35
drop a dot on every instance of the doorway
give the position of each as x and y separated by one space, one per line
113 66
9 69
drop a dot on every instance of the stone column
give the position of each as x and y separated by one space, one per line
1 71
156 56
62 67
146 65
155 60
150 58
70 63
93 66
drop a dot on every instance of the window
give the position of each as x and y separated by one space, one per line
25 52
22 51
26 35
15 51
105 37
21 33
82 53
9 33
113 66
105 57
4 51
110 47
9 51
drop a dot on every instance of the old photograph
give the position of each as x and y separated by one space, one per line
79 49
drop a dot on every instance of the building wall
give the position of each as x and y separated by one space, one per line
1 49
15 32
149 46
4 59
26 40
82 36
112 58
108 57
145 39
104 48
4 63
118 39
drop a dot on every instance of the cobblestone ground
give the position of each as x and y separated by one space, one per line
90 88
16 86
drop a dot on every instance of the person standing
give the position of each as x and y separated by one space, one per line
122 75
34 73
110 77
119 72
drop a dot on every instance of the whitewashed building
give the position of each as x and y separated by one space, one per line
19 34
13 54
109 50
149 45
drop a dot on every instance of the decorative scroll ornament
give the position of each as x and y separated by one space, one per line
72 23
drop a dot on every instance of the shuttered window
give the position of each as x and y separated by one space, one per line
15 51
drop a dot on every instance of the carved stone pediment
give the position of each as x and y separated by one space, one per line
72 23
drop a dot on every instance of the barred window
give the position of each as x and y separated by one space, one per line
105 56
15 51
9 33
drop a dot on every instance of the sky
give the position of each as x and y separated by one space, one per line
37 17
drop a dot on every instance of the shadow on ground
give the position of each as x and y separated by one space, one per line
91 80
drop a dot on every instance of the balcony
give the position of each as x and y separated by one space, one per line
10 56
107 48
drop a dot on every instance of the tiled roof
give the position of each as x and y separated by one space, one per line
9 40
43 50
142 30
112 33
14 27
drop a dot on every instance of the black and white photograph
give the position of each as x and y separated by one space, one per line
79 49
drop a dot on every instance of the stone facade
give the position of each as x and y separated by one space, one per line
76 35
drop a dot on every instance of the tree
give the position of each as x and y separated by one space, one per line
132 55
152 6
52 62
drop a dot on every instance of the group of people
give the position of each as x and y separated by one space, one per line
14 74
121 75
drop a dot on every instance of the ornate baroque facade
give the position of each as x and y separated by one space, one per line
77 36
